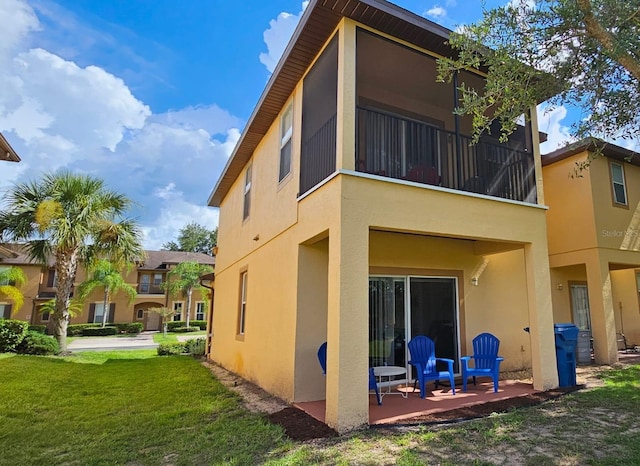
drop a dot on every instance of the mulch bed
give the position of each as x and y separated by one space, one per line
300 426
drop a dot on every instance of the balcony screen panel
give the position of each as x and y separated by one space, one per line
319 107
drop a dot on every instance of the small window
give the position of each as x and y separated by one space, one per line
157 279
200 311
177 311
243 302
5 311
617 180
286 130
247 193
45 317
140 314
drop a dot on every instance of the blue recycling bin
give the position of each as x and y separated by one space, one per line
566 341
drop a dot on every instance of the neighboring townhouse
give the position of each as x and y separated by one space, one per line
148 278
594 242
354 211
6 151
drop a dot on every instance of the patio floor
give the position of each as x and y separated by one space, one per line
396 409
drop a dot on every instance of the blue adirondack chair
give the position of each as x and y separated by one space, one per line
423 358
485 359
322 359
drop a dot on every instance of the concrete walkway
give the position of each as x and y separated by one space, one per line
143 340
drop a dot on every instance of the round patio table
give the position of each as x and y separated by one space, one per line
389 371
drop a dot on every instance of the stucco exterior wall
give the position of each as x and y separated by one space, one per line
626 305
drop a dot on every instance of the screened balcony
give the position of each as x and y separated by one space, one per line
407 149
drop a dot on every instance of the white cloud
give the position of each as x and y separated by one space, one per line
436 11
277 36
57 114
550 122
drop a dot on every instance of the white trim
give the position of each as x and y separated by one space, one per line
319 185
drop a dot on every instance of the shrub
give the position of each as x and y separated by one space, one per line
185 329
99 332
202 324
37 343
175 323
38 328
168 349
195 346
130 327
12 332
75 330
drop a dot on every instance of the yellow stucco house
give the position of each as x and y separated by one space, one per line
6 151
147 278
354 211
594 243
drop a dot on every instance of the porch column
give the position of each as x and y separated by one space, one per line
603 324
347 400
543 353
346 116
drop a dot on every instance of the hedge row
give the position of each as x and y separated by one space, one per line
16 338
201 324
194 346
100 331
76 330
130 327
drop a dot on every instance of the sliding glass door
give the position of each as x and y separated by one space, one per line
405 306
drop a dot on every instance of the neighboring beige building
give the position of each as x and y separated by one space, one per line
354 211
6 151
594 243
147 277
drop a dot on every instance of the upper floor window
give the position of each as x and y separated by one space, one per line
618 184
286 130
247 193
151 283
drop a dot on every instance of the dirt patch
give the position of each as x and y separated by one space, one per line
298 425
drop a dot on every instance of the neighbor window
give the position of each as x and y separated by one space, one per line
98 313
200 311
45 317
144 283
247 193
140 314
617 180
243 302
286 130
5 311
177 311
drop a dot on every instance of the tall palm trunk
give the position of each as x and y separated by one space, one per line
66 268
106 305
189 291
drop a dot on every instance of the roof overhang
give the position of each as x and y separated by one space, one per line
6 151
592 145
314 29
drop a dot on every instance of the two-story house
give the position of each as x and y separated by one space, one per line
354 210
594 242
148 278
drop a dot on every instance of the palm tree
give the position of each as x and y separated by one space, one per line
72 218
184 278
10 279
105 275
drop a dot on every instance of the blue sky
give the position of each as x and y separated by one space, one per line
152 95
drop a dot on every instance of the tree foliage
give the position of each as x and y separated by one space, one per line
72 218
11 279
184 278
585 53
165 314
194 237
105 276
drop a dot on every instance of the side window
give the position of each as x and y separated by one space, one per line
200 311
242 311
247 193
286 130
618 184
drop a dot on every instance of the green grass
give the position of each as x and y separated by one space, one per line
132 407
124 408
160 338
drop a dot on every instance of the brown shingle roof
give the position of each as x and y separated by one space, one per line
592 144
160 259
6 151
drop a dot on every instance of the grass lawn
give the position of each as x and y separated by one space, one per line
127 407
132 407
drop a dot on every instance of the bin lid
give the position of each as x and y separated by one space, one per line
566 331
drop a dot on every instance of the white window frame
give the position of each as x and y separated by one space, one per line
244 275
178 305
200 310
615 183
286 133
246 205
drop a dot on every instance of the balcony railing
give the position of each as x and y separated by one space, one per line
407 149
145 288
